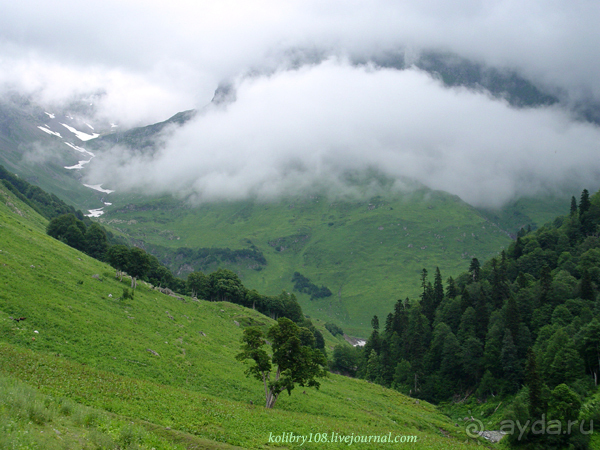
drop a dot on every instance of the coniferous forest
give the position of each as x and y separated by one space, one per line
525 324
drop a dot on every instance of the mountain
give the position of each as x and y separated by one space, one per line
363 252
45 148
348 251
154 371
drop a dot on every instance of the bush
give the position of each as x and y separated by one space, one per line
334 329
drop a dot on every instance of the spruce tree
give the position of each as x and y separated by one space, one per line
573 210
511 366
451 291
475 270
534 383
584 203
512 319
438 288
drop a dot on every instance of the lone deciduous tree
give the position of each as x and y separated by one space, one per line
295 363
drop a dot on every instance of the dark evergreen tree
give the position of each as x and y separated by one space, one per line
375 323
468 325
534 383
451 291
373 367
511 367
573 210
590 348
465 300
512 319
517 248
584 202
475 270
483 314
438 288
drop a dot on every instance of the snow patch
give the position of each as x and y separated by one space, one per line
89 125
52 116
79 165
107 204
95 212
113 125
80 134
98 187
46 130
79 149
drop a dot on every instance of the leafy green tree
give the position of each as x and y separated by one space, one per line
590 347
566 367
68 229
226 286
564 406
198 284
96 242
334 329
138 264
345 360
118 257
296 364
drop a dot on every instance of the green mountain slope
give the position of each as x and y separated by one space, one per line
39 157
366 253
166 364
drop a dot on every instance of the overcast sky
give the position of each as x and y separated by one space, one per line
308 124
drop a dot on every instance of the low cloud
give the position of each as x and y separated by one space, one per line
310 127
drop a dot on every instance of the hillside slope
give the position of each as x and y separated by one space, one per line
166 363
366 252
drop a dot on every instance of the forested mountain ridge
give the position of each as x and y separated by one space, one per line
526 322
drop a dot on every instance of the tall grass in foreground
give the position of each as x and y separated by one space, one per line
30 420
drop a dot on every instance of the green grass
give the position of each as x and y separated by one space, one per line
31 420
79 343
368 253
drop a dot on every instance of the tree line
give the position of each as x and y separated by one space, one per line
524 324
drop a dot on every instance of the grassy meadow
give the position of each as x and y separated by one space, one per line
367 252
87 369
